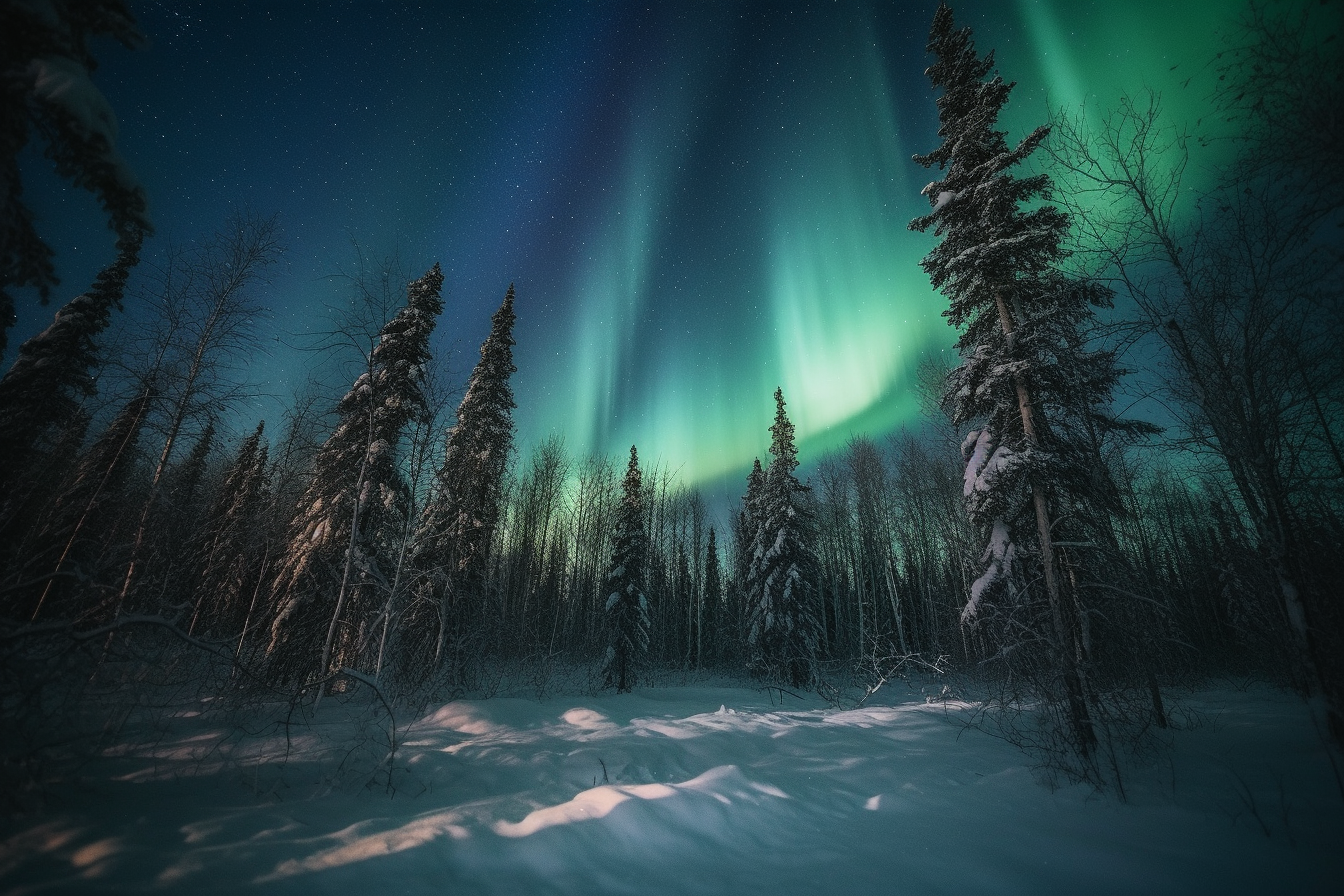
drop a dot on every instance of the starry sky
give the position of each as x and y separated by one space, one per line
697 202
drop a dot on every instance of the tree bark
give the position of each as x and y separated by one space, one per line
1073 682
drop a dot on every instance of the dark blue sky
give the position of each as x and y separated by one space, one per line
697 202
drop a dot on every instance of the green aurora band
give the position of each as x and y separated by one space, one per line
819 291
698 202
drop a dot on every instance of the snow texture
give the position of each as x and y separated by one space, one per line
998 558
691 790
977 447
65 83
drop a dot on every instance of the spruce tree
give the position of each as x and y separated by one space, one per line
747 523
1038 398
45 87
51 376
82 522
327 583
458 523
627 609
170 529
225 552
783 623
186 479
714 591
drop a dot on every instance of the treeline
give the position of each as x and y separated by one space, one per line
158 515
1084 580
1028 541
374 545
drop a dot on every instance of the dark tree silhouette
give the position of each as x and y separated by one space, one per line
332 569
783 618
45 86
41 395
627 609
1039 397
458 523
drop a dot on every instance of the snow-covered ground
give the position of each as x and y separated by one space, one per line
696 790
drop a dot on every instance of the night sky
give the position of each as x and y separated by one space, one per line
697 202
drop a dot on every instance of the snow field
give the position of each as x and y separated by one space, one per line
707 790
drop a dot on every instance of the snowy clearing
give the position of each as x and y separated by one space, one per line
696 790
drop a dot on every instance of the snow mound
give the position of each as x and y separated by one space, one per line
692 790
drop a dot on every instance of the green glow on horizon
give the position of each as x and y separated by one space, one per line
614 284
853 310
823 294
610 396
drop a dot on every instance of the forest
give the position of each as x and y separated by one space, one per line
389 546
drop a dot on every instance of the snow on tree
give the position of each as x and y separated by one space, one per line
746 524
783 618
52 375
82 522
458 523
226 549
714 588
42 414
1040 397
328 580
45 86
627 609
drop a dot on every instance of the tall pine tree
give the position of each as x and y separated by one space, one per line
228 550
1038 398
82 522
714 591
458 523
745 526
46 88
52 375
783 622
627 609
327 586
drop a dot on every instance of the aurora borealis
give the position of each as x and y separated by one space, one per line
697 202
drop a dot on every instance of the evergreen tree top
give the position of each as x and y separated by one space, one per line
751 501
404 340
782 448
501 327
458 521
240 470
390 394
489 396
497 350
628 546
960 71
754 480
64 352
423 295
484 424
990 245
633 482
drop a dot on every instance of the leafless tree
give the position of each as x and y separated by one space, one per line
204 310
1236 286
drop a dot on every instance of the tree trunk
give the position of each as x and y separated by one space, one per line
345 577
895 608
1078 713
